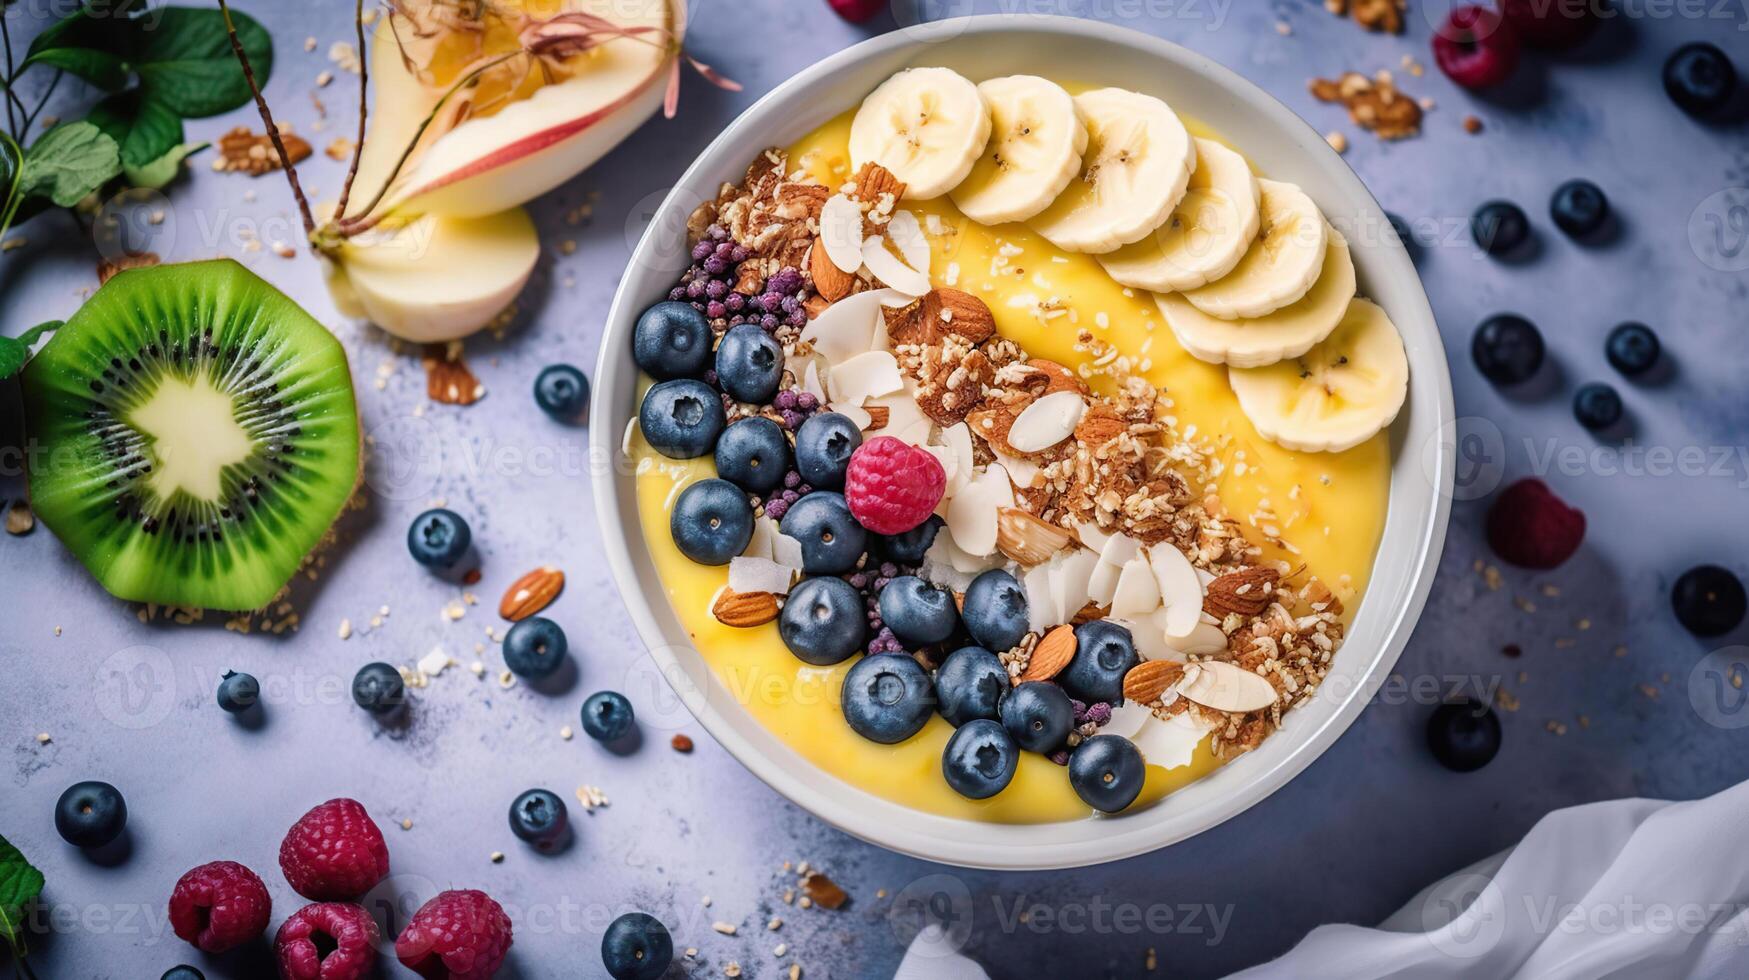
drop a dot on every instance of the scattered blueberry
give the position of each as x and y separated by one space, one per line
1107 772
182 972
908 548
1579 208
607 716
636 947
1463 734
823 621
562 391
238 692
378 689
749 364
887 698
970 685
996 610
90 814
682 419
534 647
831 539
1039 716
1632 349
1499 227
1708 600
538 817
672 340
753 455
1104 653
823 447
1700 78
711 522
1507 349
917 612
1597 406
980 759
439 538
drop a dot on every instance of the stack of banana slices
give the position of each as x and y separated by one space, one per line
1247 272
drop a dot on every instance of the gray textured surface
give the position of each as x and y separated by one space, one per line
1349 840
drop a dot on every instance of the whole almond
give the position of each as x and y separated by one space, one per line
744 609
1099 426
531 593
1028 539
830 281
961 313
1148 680
1058 378
1247 592
1051 656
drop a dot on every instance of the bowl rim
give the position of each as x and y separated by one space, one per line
915 832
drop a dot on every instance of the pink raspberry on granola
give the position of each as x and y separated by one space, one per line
891 486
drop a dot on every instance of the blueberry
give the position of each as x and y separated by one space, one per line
823 447
823 621
1507 349
831 539
636 947
1107 772
1579 208
562 391
970 685
753 455
908 547
1038 715
1499 227
887 698
682 419
1708 600
1700 79
672 340
182 972
90 814
712 522
749 364
607 716
1596 406
1464 735
534 647
538 817
917 612
439 538
378 689
1104 652
1632 348
238 692
980 759
996 610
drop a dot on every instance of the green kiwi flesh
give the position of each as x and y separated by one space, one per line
193 435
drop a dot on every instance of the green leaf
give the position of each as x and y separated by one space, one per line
20 884
186 62
92 43
69 162
160 172
146 130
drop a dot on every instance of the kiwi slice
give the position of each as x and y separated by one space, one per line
193 435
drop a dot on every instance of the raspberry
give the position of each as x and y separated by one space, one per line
1531 527
459 935
219 906
334 852
857 11
327 941
892 487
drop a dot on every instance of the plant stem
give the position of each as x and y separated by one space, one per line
54 83
363 98
11 77
291 173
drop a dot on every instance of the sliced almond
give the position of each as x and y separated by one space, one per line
744 609
1046 422
1051 656
1028 539
531 593
892 270
1247 592
1224 687
1148 680
906 234
841 233
832 283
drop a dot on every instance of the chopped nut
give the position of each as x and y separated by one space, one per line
681 743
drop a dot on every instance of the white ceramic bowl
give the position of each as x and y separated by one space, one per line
1283 147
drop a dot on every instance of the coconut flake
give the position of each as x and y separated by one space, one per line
1169 744
907 235
1138 594
764 530
786 550
972 513
1180 590
841 232
1127 719
1041 605
1119 550
1225 687
1205 639
847 327
1070 574
1102 584
890 269
855 413
905 420
759 575
957 439
1024 472
1047 422
868 374
1091 536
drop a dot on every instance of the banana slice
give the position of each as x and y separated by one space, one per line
927 125
1335 396
1281 265
1136 169
1287 332
1036 142
1207 235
